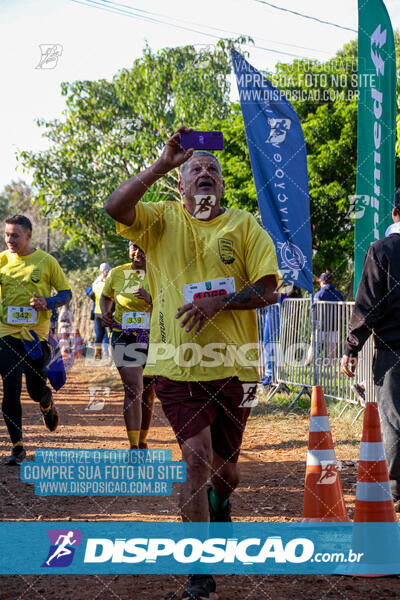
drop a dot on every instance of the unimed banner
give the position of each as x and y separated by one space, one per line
376 128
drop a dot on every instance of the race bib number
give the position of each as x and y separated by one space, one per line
21 315
208 289
136 320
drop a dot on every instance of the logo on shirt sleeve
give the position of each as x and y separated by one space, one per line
36 275
226 251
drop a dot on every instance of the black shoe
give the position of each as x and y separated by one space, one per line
200 587
359 392
223 515
50 417
16 457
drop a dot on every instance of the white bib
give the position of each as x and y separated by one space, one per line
21 315
136 320
208 289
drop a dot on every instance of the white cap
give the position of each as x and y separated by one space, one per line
104 268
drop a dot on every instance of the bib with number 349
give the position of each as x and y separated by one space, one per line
21 315
136 320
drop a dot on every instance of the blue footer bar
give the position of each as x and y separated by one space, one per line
216 548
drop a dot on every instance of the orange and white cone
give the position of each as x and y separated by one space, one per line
78 344
323 494
374 502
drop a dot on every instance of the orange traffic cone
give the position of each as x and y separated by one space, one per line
78 344
323 494
374 502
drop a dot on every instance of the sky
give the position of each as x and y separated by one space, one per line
96 43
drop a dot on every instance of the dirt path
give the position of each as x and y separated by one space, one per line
271 489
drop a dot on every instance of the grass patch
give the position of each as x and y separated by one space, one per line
278 407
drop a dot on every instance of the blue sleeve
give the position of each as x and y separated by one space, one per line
89 290
317 295
63 297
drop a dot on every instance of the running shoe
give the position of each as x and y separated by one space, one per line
359 391
223 515
16 457
51 417
200 587
266 380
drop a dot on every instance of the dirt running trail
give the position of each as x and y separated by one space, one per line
272 469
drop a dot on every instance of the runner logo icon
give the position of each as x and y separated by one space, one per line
329 472
249 395
63 543
50 53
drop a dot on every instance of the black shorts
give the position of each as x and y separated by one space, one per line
127 351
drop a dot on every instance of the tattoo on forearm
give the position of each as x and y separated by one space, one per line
255 292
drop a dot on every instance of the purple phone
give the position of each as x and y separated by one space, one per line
203 140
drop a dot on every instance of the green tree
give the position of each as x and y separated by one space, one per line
111 129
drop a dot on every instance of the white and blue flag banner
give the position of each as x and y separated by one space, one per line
279 163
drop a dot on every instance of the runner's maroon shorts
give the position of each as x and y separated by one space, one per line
223 404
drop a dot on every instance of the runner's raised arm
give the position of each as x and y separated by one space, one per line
121 204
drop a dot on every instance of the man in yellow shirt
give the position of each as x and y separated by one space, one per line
27 276
209 269
127 285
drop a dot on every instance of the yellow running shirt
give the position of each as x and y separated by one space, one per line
120 285
20 277
225 254
97 288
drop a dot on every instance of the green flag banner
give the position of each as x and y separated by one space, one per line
376 128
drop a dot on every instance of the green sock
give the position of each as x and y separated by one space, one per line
217 502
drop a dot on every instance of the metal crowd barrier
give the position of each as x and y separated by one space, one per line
270 315
295 350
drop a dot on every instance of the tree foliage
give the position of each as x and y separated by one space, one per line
112 129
